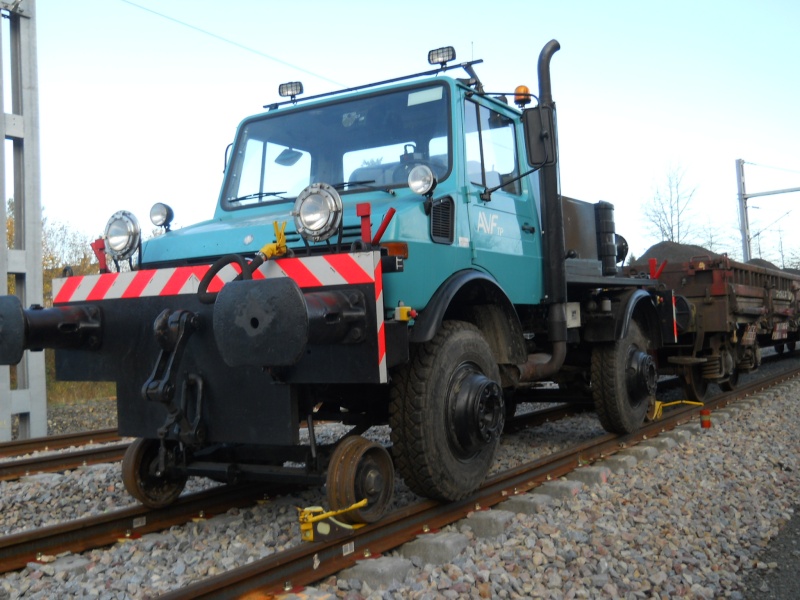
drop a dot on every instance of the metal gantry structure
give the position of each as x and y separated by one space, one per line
744 221
22 387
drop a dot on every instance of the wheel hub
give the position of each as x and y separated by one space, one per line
371 481
642 375
477 411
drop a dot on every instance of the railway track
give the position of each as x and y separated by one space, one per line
312 562
15 469
57 442
308 563
16 550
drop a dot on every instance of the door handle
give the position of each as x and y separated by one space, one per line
528 228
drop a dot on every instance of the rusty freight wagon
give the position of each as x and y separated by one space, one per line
727 310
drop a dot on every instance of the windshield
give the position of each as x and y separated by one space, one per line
361 143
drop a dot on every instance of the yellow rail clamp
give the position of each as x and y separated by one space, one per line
277 248
657 410
318 525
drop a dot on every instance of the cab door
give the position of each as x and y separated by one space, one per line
505 232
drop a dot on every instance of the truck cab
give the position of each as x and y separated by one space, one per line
289 164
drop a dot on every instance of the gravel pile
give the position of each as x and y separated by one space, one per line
691 523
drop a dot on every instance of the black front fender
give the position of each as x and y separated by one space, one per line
475 297
636 303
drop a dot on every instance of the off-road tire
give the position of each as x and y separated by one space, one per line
423 455
617 410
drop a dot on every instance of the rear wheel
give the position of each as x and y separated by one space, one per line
447 413
623 381
142 477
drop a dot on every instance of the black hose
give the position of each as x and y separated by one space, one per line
246 273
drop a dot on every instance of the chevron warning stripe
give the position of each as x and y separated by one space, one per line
308 272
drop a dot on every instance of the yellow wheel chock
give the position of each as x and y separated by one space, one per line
656 411
317 525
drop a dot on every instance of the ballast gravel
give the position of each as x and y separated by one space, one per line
692 522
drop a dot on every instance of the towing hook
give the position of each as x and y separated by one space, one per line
172 331
169 326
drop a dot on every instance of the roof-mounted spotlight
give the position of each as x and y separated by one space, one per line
290 89
442 56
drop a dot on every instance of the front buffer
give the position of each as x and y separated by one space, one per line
219 387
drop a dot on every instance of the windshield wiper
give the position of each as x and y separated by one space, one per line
364 183
259 195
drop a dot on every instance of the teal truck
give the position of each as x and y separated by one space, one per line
396 253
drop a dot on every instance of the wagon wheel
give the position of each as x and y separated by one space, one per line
731 383
141 478
447 413
694 384
360 469
623 381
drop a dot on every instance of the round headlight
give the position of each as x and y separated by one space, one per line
317 212
421 180
161 215
122 235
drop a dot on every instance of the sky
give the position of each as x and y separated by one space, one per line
138 107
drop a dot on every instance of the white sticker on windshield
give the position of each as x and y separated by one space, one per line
429 95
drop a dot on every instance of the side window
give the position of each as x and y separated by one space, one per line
491 149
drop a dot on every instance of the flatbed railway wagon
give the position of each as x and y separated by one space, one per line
727 311
397 253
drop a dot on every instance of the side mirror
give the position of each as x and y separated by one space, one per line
540 135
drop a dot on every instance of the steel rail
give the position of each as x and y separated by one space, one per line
311 562
18 549
14 469
58 442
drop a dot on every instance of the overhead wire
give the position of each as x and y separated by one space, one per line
773 168
233 43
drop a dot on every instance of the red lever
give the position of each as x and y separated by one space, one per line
656 273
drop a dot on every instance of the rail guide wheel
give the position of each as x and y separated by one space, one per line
142 479
695 386
360 469
730 384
